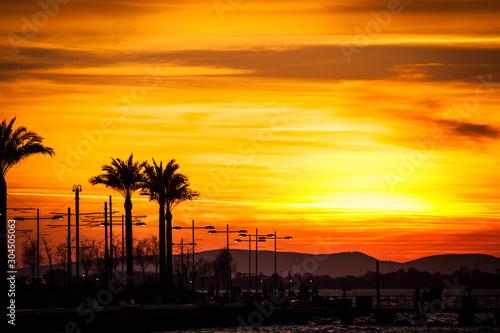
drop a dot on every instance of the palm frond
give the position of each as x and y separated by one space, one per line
17 145
167 183
125 177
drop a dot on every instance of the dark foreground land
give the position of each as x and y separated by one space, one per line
130 316
164 318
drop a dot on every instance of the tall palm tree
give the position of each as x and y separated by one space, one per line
154 187
15 146
125 177
169 188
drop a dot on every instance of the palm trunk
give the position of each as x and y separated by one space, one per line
161 235
128 241
3 236
170 270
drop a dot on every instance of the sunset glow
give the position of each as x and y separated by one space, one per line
368 126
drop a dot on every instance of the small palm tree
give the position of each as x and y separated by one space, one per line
169 188
125 177
15 146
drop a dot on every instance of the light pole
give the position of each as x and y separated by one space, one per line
249 240
258 238
228 266
110 233
100 216
261 239
77 189
193 274
183 276
106 254
276 275
105 224
69 248
38 218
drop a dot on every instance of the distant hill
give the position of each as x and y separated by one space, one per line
343 264
449 263
356 263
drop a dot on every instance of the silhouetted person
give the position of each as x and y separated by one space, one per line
303 292
281 289
435 292
265 292
211 290
440 292
236 290
417 297
315 291
271 290
425 297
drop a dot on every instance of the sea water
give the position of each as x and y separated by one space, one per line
445 322
345 329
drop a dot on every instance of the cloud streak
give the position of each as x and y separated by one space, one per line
304 62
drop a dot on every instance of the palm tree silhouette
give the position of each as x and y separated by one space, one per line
15 146
169 188
154 186
125 177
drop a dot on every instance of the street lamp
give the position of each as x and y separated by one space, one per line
228 266
77 189
38 218
249 240
263 238
193 274
273 236
258 239
275 275
183 276
140 224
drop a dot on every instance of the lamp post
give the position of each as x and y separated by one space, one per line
106 254
77 234
261 239
193 274
228 266
275 275
105 224
249 240
38 218
69 248
77 189
183 276
110 256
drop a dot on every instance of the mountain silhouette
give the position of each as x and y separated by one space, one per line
355 263
341 264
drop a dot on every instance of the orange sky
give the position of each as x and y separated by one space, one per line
353 126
